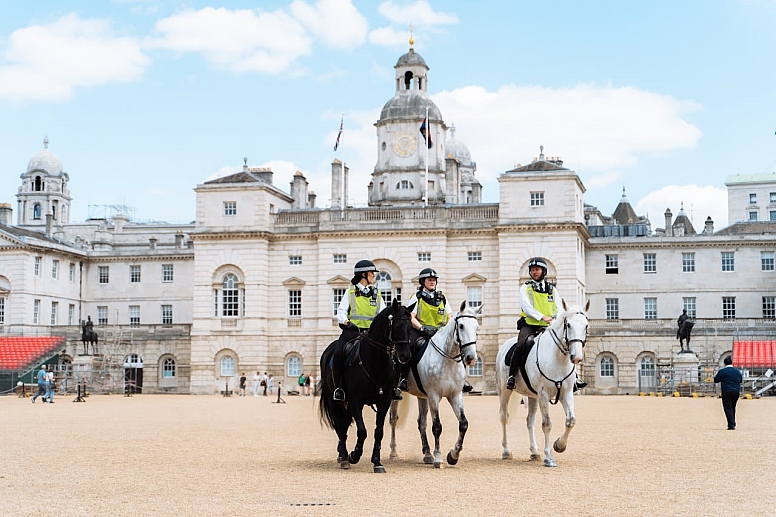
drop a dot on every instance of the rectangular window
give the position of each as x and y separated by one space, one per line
767 260
537 198
688 304
650 263
474 256
215 302
728 307
54 269
71 314
474 296
134 315
230 207
650 308
752 215
103 274
102 315
134 274
166 314
38 261
773 197
336 298
752 199
2 311
54 311
294 260
612 308
72 272
611 265
424 256
340 258
35 312
607 367
294 303
769 307
476 370
728 261
688 262
167 271
773 215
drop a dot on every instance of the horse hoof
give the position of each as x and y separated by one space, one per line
557 447
506 455
535 457
344 465
450 459
379 469
393 456
437 464
428 459
550 463
353 460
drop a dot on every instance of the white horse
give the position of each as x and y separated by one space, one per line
550 369
440 373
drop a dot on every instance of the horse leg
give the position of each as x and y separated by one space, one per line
544 405
342 444
568 407
356 409
463 426
530 421
393 418
503 399
436 429
428 459
382 411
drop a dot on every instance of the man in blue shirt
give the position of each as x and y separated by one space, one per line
42 384
730 379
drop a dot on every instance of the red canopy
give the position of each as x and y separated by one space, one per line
754 354
18 352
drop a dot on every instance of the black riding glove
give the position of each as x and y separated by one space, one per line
428 331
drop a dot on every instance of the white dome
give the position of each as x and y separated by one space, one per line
45 161
457 149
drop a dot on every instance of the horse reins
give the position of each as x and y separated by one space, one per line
389 349
564 350
459 357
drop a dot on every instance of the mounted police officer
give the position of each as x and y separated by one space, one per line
430 313
355 313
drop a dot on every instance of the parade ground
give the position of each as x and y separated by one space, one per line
245 456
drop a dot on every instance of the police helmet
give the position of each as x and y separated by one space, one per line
539 262
364 266
427 273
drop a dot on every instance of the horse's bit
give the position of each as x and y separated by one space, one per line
459 356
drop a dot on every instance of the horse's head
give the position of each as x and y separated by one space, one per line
393 326
575 331
466 327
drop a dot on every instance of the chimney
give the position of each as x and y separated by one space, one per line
299 190
119 220
311 199
179 240
49 224
709 226
345 183
152 242
6 214
336 184
668 215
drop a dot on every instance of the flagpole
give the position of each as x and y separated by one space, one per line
428 125
342 176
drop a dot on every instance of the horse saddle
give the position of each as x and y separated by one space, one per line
350 350
520 351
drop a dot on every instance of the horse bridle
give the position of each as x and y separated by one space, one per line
564 345
458 357
390 348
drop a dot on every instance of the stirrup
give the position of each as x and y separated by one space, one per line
396 394
338 395
511 382
467 388
403 384
578 385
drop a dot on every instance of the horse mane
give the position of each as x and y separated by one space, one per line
377 330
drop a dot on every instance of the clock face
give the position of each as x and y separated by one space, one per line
404 144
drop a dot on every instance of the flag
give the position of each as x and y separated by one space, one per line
426 134
336 144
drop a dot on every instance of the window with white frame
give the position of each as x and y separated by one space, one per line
38 262
294 303
612 308
166 314
474 296
102 315
336 297
773 215
647 367
340 258
769 307
752 215
103 274
728 261
606 367
294 366
424 256
54 269
71 314
134 274
767 260
134 315
294 260
404 185
474 256
168 368
72 272
688 262
2 310
650 262
773 197
230 208
752 199
537 198
230 301
54 311
728 307
167 272
35 312
384 285
227 366
476 370
688 304
650 308
612 264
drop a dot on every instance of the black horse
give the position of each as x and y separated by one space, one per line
684 334
369 378
88 337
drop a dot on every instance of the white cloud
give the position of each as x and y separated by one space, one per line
337 23
389 37
46 62
699 203
419 13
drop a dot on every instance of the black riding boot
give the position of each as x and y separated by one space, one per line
336 374
405 370
512 370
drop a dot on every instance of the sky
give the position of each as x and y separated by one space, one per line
143 100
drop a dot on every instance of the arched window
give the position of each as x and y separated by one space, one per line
607 367
227 366
476 370
230 301
38 185
404 185
294 366
36 211
384 285
168 368
647 367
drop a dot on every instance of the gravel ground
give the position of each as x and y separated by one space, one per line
208 455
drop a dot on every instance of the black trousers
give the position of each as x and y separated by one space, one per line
729 401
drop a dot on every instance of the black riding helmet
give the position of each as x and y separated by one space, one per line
427 273
362 267
540 262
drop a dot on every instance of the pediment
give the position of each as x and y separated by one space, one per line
474 278
338 280
294 282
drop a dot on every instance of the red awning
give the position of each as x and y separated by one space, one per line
18 352
754 354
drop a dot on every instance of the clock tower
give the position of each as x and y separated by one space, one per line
410 168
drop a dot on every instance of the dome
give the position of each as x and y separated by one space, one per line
410 106
411 59
45 161
457 149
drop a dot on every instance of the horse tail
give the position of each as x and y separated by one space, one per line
403 410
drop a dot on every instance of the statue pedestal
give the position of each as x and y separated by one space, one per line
686 367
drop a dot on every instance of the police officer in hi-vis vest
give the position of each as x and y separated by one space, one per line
355 313
430 313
